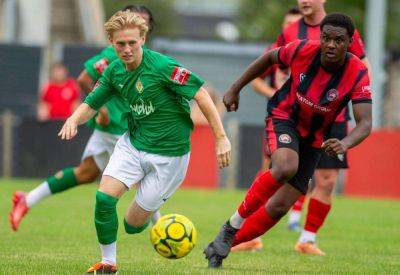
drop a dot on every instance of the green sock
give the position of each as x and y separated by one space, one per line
105 218
134 230
63 180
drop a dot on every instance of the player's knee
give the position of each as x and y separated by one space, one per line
325 183
283 172
325 189
135 228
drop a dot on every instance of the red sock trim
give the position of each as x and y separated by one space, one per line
263 187
298 205
254 226
317 212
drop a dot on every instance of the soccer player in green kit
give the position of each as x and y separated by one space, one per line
154 152
108 127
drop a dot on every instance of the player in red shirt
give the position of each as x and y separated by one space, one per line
276 78
324 78
327 172
60 95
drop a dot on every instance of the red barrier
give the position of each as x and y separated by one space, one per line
203 168
375 166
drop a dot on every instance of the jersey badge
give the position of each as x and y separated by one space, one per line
180 75
285 138
101 65
332 95
139 86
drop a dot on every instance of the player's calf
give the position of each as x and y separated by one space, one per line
282 201
87 171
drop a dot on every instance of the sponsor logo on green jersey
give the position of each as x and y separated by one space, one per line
142 108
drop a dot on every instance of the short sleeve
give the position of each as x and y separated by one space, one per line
361 92
102 92
96 65
287 53
180 80
271 70
357 46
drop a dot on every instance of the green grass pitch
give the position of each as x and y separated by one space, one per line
58 237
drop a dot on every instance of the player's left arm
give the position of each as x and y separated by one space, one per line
223 145
362 111
363 116
365 60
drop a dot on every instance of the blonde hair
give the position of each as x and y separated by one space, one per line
126 19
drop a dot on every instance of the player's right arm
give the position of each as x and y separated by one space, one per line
94 68
80 116
102 92
283 56
260 65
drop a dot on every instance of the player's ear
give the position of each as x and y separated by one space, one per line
110 39
351 40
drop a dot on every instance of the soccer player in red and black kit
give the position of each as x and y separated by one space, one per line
326 174
324 78
266 85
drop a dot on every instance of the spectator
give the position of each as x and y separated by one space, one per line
60 96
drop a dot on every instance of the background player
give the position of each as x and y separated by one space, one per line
327 172
108 127
324 77
276 78
154 153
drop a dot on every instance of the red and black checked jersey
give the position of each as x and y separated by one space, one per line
313 97
301 30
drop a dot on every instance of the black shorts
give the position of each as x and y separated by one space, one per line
339 131
282 134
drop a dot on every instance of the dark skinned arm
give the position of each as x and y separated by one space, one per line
363 116
231 97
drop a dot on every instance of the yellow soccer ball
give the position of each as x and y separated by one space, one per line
173 236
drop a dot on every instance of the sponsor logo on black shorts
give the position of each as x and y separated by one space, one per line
285 138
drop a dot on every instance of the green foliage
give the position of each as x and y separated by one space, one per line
393 24
261 19
58 237
163 12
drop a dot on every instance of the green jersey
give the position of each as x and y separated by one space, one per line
158 92
117 106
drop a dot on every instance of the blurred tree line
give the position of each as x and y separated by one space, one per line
261 19
166 21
